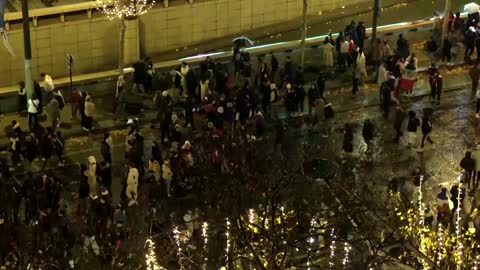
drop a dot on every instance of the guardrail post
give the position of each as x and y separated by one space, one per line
165 3
62 17
35 21
89 13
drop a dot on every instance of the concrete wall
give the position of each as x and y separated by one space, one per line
94 42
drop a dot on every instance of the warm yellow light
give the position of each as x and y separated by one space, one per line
124 8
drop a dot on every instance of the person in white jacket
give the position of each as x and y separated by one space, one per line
91 174
33 108
361 62
132 184
167 175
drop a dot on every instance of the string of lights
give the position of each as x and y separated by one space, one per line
150 258
205 242
421 221
440 248
124 8
311 241
227 244
458 229
476 264
331 262
176 237
346 257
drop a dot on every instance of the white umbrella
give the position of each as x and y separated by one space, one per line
471 8
242 41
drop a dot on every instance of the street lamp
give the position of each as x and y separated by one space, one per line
28 49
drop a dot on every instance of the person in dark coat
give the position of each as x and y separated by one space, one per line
385 98
313 96
188 106
105 174
426 130
320 84
348 138
397 123
139 76
290 100
106 148
260 126
273 65
470 36
368 131
468 164
300 94
361 34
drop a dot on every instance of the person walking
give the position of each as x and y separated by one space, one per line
385 98
87 121
476 172
58 147
313 96
53 113
356 73
368 133
412 127
348 138
33 111
320 82
398 122
132 185
327 53
106 148
438 86
470 36
91 174
273 65
426 130
167 175
468 164
475 76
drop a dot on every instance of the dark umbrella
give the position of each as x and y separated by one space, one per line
242 41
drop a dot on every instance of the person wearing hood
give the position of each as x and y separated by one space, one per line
132 184
53 113
89 114
260 126
167 175
468 164
177 134
91 174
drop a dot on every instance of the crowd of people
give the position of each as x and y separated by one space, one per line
225 105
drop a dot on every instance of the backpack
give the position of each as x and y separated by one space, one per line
61 101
